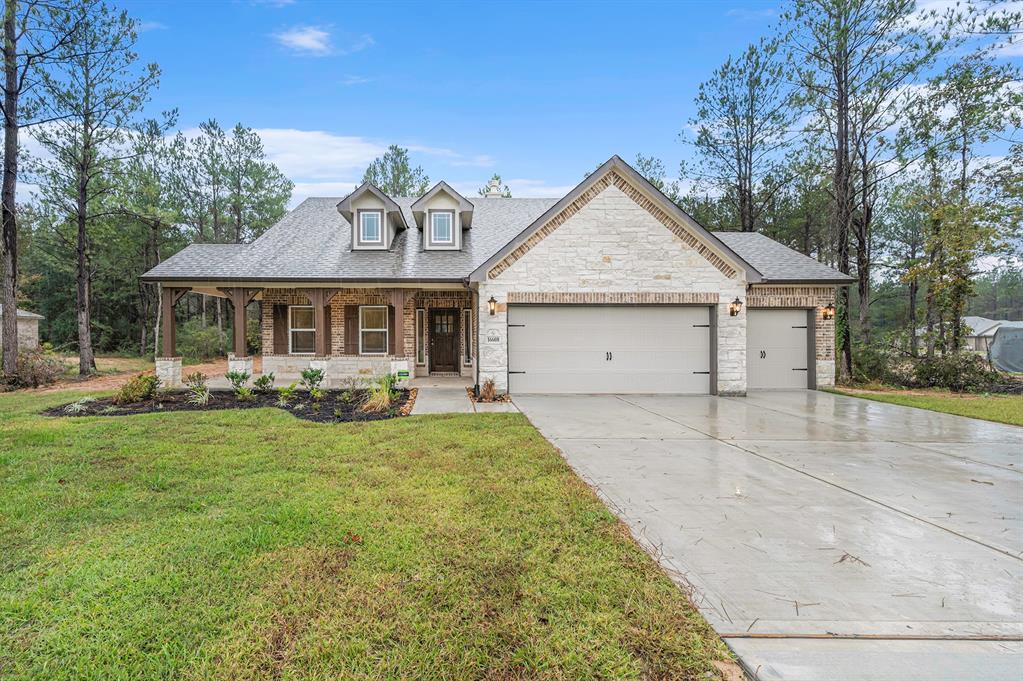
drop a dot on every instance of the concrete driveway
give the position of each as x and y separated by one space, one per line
825 537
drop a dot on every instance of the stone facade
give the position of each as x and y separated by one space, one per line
613 243
28 333
807 297
342 364
168 370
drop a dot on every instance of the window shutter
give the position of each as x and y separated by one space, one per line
280 320
327 329
391 340
351 329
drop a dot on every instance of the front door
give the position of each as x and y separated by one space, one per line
444 340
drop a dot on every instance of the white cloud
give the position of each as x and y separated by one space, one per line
144 26
318 155
747 14
358 44
348 81
305 40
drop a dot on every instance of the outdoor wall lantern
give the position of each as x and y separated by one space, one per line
828 311
492 306
734 307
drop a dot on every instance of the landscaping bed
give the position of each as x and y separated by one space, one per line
333 406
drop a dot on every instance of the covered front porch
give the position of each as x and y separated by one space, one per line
350 332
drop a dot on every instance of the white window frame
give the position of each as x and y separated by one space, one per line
386 330
380 227
451 225
291 328
467 337
420 337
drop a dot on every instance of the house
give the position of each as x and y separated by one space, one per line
609 289
28 328
980 331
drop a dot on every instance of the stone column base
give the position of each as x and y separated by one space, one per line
243 364
168 370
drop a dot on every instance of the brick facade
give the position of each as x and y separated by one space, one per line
414 299
805 297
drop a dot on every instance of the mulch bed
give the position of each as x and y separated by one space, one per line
332 408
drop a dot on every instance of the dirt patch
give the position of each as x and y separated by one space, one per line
335 406
504 397
115 371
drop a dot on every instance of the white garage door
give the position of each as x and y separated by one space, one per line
606 349
776 357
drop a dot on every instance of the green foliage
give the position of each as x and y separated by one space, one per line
237 379
244 394
196 384
312 378
196 380
138 389
394 175
956 372
35 368
317 394
200 343
264 384
381 394
286 395
78 406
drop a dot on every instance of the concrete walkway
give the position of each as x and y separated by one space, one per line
447 395
806 521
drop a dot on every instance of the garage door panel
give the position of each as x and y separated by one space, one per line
564 349
776 349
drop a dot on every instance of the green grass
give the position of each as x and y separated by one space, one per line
242 544
999 408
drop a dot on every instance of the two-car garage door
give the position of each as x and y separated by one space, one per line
609 349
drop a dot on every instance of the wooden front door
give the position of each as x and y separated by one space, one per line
444 340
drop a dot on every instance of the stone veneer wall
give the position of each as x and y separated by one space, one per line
414 299
815 297
613 244
28 333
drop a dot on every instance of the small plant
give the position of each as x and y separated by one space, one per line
244 394
196 384
315 407
264 384
488 393
285 395
381 394
138 389
79 406
339 414
35 368
312 378
349 388
237 379
317 394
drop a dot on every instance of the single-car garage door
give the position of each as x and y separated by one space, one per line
608 349
776 349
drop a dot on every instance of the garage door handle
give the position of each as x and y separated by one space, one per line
799 327
516 372
763 354
702 372
608 356
794 369
701 326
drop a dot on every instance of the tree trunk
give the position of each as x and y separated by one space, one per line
86 360
9 293
914 349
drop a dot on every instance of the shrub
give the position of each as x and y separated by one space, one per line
285 395
138 389
196 380
312 378
264 384
488 393
964 372
237 379
243 394
35 368
317 394
198 342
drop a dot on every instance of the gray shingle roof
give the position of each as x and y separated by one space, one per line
779 263
23 314
313 243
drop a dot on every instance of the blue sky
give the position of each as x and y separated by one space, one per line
539 92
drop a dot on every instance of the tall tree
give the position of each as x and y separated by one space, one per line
744 122
257 191
34 33
94 95
652 168
393 174
853 60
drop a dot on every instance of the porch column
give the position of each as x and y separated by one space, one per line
319 298
168 299
240 298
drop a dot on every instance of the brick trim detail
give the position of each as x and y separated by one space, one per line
613 179
790 296
608 298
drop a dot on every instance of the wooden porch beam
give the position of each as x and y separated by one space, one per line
319 298
168 299
240 298
398 302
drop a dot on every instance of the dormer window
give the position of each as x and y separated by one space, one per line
442 226
370 231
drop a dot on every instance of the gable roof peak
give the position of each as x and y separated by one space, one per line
392 209
465 206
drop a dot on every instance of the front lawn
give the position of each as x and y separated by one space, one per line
249 543
998 408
